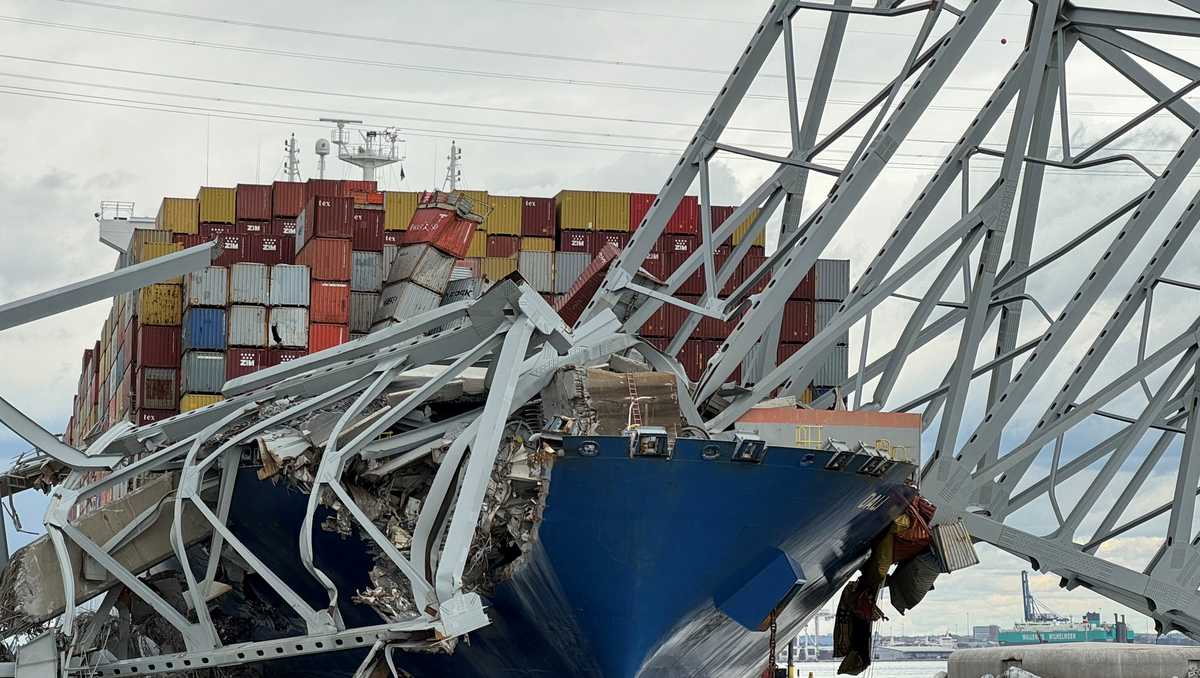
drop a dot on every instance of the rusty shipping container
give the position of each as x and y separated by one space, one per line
160 305
287 198
288 327
325 217
502 246
327 258
368 230
253 202
249 284
242 361
290 285
158 346
398 209
362 310
402 301
158 388
366 273
178 215
330 302
424 265
202 372
247 326
217 205
538 218
575 241
323 335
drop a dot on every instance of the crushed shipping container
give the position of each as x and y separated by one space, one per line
288 327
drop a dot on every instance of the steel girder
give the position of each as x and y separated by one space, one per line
1084 411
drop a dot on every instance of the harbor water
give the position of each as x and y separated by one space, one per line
913 669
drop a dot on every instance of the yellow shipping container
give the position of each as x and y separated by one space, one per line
142 237
497 268
154 250
481 203
478 247
505 218
740 232
576 210
612 211
194 401
160 305
537 244
217 205
398 209
178 215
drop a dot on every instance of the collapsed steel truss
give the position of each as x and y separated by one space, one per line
985 465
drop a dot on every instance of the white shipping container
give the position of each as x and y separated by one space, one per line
248 326
835 367
538 270
424 265
463 289
389 258
288 327
362 310
290 285
568 266
206 287
403 300
832 279
366 274
823 312
203 372
250 284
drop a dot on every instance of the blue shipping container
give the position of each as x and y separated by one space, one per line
204 329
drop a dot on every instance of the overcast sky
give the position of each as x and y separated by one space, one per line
104 103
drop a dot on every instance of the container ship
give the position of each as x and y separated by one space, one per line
613 540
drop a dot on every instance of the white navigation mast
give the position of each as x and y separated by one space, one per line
291 166
454 166
374 149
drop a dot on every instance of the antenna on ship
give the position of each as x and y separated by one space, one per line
374 149
291 166
454 168
322 151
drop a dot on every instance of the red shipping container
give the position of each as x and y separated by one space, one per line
366 197
145 417
278 356
158 346
639 205
330 302
327 188
359 186
232 250
676 244
392 237
287 198
786 351
253 201
327 217
270 249
187 240
441 228
694 284
614 238
575 241
659 324
254 227
368 230
798 322
283 226
691 358
474 265
210 231
686 219
537 217
322 336
656 265
807 289
242 361
326 258
505 246
571 305
750 264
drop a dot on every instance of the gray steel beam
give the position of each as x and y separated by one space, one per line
1133 21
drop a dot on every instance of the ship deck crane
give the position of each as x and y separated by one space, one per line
1051 369
1035 611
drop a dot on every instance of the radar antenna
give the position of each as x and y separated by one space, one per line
373 149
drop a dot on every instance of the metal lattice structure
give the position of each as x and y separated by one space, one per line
990 459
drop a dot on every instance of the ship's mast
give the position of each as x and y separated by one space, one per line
454 167
291 166
374 149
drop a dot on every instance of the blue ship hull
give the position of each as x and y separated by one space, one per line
657 567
